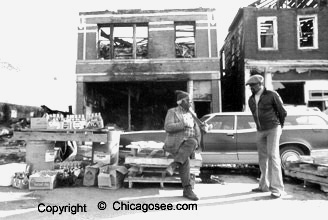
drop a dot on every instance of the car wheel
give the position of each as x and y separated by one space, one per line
290 153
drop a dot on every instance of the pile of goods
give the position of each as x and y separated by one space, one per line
59 121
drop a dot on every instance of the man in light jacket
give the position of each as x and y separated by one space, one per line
183 137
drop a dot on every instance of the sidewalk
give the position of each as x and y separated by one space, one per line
229 199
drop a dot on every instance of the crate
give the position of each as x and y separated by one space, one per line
20 181
39 123
43 180
111 177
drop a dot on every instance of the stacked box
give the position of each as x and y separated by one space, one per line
107 153
111 177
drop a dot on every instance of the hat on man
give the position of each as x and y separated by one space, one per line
181 94
255 79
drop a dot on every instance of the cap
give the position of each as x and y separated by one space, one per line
255 79
181 94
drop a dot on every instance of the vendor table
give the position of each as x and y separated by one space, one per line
84 135
38 141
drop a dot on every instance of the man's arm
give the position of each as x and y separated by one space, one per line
171 125
279 108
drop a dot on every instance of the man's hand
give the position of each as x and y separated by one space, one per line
185 104
206 127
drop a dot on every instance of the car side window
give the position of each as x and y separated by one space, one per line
222 122
245 122
305 120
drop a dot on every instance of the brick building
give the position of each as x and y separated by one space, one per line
285 41
130 62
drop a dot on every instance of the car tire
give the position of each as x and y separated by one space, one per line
290 153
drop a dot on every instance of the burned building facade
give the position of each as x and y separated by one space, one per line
130 62
286 42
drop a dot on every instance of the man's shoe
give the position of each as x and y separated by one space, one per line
170 169
259 190
275 195
189 194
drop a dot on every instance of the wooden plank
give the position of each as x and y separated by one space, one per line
153 179
310 168
157 162
59 136
307 176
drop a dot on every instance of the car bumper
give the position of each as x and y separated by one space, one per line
319 153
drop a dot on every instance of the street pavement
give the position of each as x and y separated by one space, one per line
228 198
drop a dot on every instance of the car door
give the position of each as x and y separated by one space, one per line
246 140
312 130
219 144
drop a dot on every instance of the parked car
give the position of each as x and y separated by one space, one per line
232 140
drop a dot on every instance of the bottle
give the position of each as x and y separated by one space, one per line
100 120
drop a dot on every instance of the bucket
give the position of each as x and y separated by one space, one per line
110 148
37 155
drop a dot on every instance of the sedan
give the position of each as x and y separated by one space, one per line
232 139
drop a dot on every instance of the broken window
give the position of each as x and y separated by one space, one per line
185 39
123 41
289 4
307 32
267 33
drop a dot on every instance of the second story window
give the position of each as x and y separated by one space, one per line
267 33
185 39
307 37
123 41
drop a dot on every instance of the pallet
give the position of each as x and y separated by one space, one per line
309 172
152 177
149 162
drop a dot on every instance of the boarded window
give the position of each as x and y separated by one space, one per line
123 41
185 39
267 33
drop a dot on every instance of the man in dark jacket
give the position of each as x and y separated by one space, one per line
183 137
269 116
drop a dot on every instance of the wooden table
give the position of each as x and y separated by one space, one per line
83 135
52 135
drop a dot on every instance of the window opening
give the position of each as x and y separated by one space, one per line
307 29
185 39
118 41
267 33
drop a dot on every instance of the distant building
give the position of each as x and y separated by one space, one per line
130 62
286 42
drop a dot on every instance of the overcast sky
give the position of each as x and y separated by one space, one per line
39 37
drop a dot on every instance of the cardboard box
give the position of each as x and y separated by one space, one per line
39 123
43 180
40 155
101 157
111 177
90 175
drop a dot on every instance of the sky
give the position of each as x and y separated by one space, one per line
39 38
